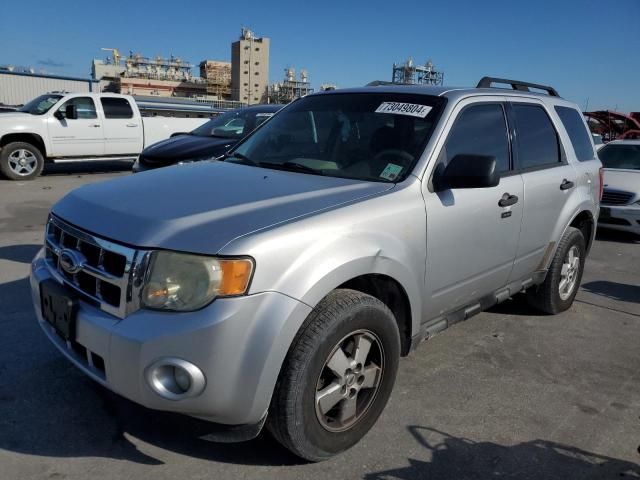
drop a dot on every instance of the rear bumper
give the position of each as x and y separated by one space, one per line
239 345
624 218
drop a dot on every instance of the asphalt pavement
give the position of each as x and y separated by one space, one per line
509 393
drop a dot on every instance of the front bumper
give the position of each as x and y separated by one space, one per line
625 218
239 344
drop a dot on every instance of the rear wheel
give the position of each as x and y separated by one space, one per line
20 161
561 285
337 377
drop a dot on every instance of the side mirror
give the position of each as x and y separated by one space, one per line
58 114
469 171
71 112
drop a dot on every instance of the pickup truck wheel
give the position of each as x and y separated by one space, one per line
337 376
20 161
561 285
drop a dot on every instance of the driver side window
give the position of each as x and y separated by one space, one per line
479 130
84 106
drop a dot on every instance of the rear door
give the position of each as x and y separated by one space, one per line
471 239
76 137
549 181
123 132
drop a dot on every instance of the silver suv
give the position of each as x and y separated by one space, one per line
281 284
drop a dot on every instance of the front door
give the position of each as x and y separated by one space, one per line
76 137
471 239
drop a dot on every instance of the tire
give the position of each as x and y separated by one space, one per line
548 297
342 319
21 161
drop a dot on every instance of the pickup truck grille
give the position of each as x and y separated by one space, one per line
616 197
104 277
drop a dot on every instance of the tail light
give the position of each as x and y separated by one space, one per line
601 175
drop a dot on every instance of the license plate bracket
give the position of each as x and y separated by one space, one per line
59 308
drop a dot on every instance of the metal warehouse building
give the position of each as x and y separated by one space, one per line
17 88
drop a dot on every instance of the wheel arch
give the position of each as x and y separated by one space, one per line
31 138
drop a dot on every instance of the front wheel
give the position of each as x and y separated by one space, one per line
20 161
557 292
337 377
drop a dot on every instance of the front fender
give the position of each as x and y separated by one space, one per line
309 258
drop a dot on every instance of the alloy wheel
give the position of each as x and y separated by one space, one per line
349 381
22 162
569 273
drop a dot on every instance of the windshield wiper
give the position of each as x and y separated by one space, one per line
243 159
291 166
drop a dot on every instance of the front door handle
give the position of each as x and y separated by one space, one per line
566 184
132 124
507 200
95 125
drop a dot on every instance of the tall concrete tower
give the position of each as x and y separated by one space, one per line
250 68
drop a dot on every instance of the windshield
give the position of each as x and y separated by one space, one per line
234 124
365 136
40 105
620 156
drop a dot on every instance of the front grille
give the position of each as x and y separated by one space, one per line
616 197
105 275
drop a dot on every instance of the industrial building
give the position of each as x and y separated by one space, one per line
221 84
410 73
217 76
19 87
290 88
250 68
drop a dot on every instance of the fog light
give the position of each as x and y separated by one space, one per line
175 379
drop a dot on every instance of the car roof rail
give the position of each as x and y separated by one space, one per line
486 82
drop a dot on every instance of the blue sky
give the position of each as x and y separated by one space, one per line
586 49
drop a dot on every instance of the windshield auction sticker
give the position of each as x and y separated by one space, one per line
398 108
391 171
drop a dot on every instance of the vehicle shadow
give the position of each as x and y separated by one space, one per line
19 253
88 167
606 235
614 290
516 305
461 458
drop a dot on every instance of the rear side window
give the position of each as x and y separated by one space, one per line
537 141
116 108
573 124
479 130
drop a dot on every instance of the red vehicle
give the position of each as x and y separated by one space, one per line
614 125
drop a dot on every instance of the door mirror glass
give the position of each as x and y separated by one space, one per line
469 171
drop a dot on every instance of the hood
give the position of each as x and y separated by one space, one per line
185 147
625 180
13 116
200 207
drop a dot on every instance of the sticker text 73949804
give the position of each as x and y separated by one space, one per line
399 108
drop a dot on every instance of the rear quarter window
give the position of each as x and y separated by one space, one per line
574 125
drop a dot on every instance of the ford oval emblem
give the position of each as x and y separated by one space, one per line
71 261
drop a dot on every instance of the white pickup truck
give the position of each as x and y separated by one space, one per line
79 126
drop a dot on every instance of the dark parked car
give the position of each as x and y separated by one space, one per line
210 140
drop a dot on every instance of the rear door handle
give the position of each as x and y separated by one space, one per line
507 200
132 124
566 184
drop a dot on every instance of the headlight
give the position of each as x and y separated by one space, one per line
183 282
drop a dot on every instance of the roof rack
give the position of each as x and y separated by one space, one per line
486 82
